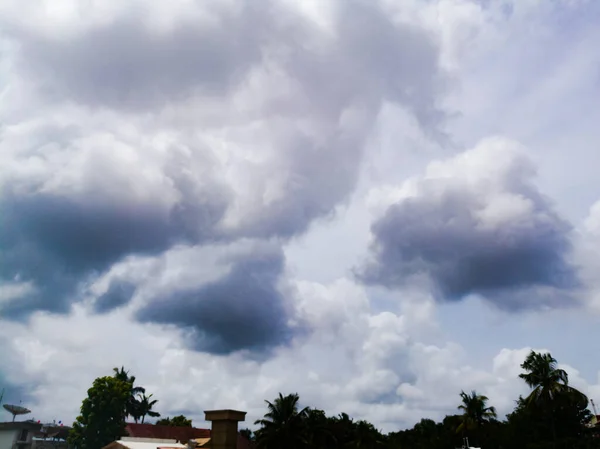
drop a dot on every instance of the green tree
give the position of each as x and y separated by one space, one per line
283 425
176 421
102 416
552 400
475 415
132 408
475 411
144 407
544 377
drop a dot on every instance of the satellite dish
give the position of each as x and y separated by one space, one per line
16 410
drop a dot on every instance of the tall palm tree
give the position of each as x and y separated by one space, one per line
283 425
145 404
132 406
550 387
475 411
546 380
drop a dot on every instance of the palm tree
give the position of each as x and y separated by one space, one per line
550 386
145 405
132 406
545 378
475 411
319 432
283 425
365 436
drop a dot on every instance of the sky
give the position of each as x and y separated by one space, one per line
375 204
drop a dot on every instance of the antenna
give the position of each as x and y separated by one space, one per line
594 407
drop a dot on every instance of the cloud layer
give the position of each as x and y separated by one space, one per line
135 136
475 224
185 188
245 309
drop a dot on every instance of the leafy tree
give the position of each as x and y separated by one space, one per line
176 421
132 408
283 425
102 417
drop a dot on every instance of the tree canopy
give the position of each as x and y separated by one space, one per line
103 414
176 421
102 418
553 416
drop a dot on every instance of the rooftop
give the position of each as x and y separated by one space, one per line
145 432
180 434
128 444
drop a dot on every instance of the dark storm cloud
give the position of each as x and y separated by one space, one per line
15 394
517 263
58 242
15 389
118 294
244 310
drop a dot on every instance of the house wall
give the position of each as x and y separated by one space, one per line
7 438
48 444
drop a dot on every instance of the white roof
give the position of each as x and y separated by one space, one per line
148 444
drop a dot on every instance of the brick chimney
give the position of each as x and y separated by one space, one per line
224 423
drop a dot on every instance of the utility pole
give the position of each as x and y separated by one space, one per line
594 407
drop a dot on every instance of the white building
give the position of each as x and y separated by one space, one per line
17 434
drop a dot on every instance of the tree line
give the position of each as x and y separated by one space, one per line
553 416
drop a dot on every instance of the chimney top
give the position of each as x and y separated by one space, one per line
224 415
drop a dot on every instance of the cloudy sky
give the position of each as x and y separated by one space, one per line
374 203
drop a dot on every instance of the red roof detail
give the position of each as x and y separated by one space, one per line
181 434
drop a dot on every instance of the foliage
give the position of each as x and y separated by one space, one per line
176 421
144 406
248 434
553 415
476 417
136 408
283 425
102 418
560 410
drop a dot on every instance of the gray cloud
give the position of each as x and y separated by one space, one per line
125 64
57 242
243 310
119 293
248 122
496 236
